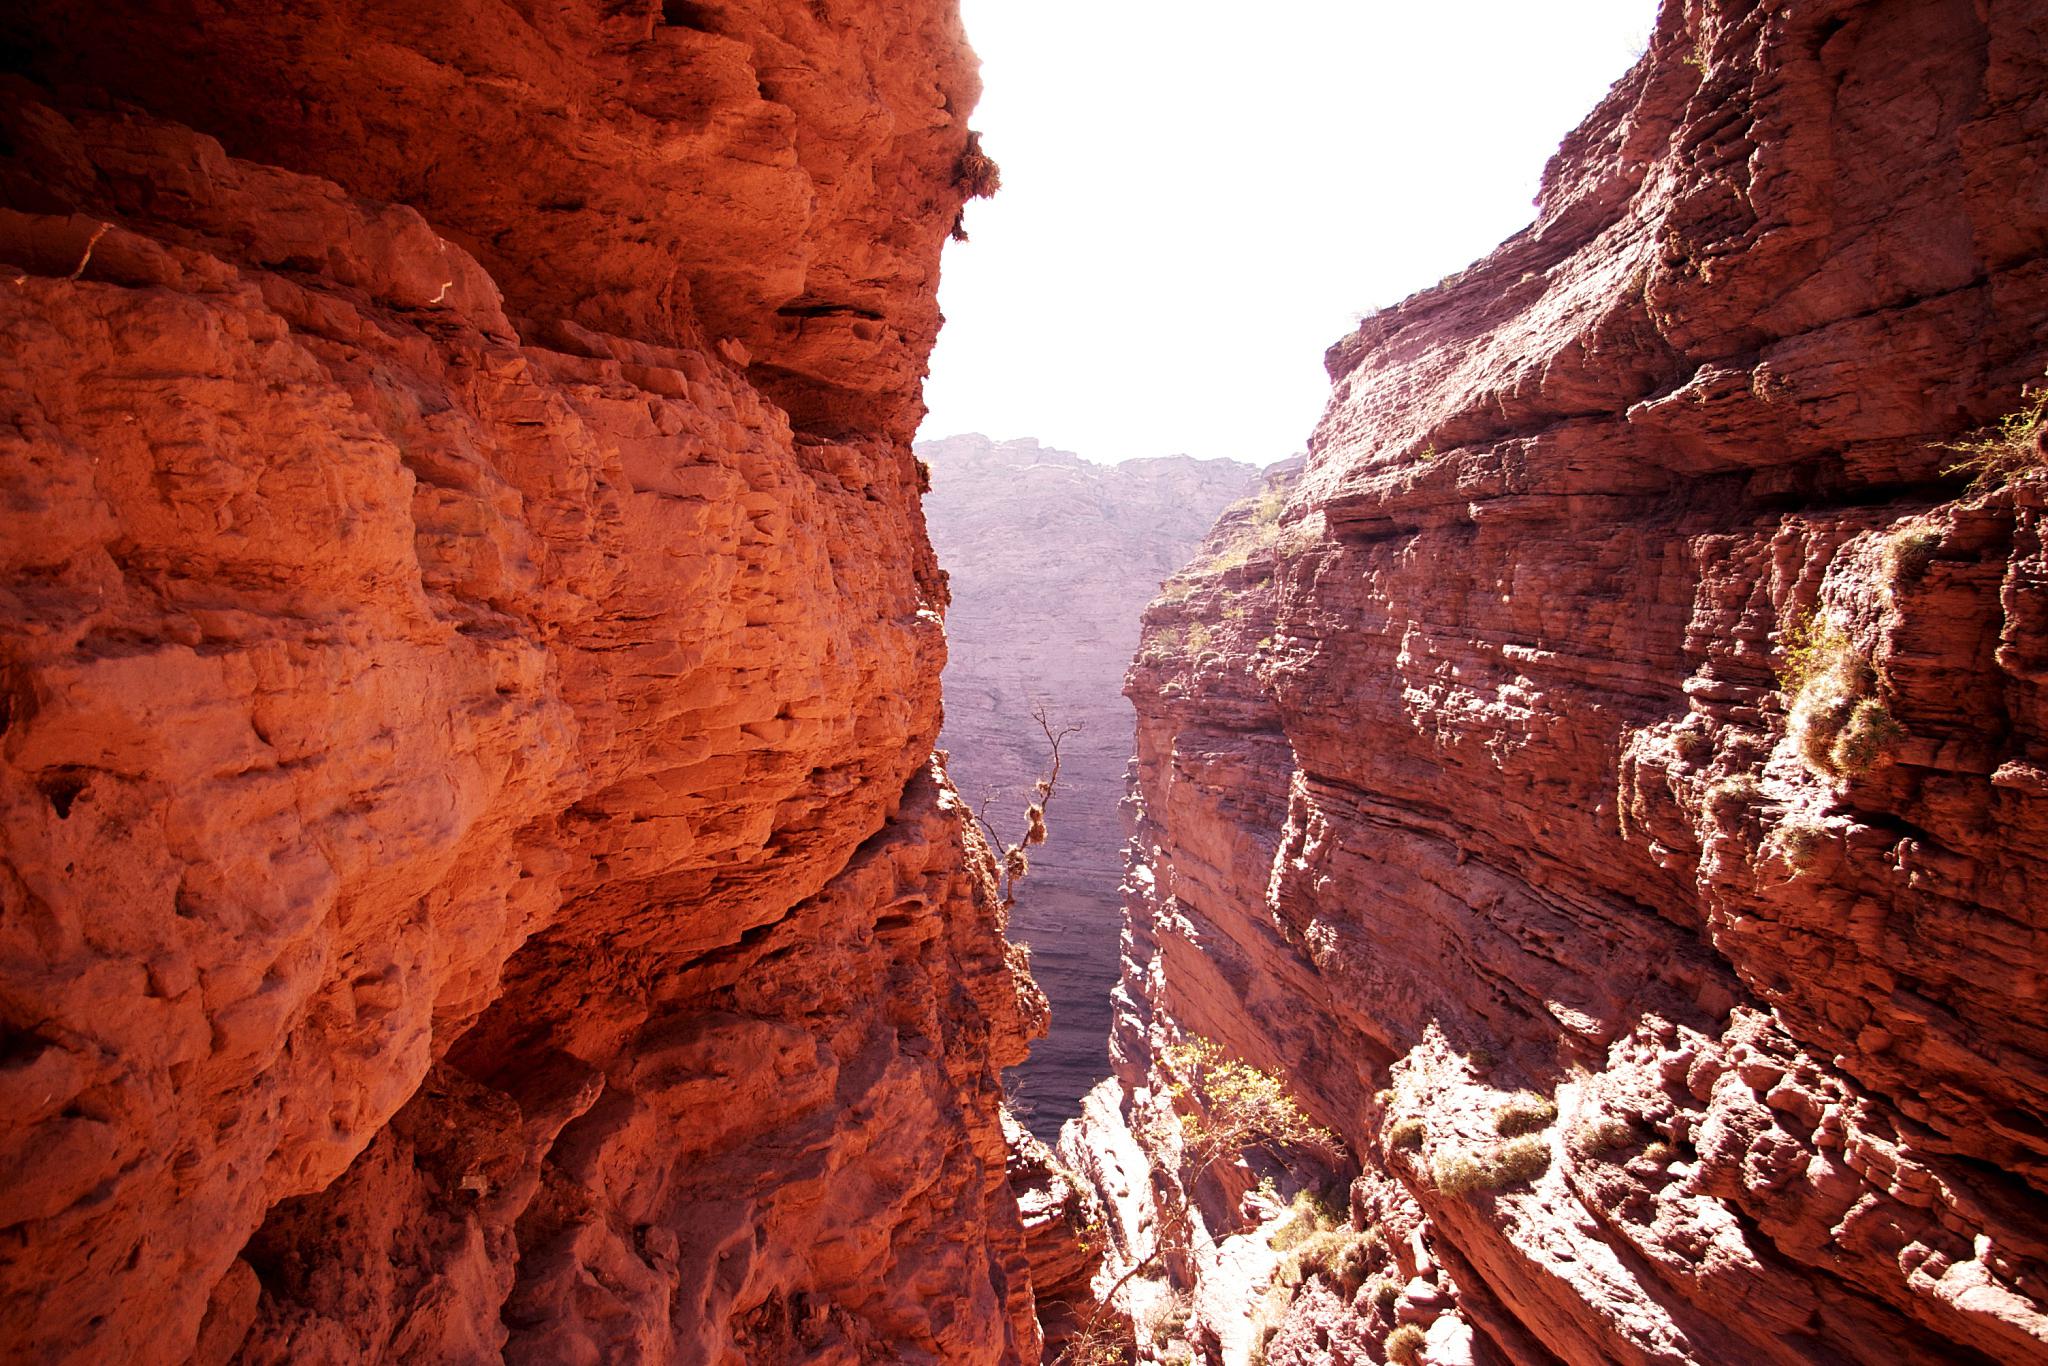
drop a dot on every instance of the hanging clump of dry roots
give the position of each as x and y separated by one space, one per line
1013 864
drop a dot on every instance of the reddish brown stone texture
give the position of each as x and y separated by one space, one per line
471 881
1507 797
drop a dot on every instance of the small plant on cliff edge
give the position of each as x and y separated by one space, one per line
1603 1134
1404 1345
1524 1112
1908 552
2011 446
1512 1163
1239 1106
1168 1316
1840 729
1013 864
977 176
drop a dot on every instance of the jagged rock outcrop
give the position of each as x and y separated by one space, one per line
1628 708
1051 560
1064 1235
473 882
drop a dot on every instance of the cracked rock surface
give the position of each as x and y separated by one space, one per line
1492 769
473 884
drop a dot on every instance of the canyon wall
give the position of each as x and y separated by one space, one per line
474 886
1050 561
1612 785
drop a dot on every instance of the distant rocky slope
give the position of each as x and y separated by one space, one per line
1612 783
1052 559
473 883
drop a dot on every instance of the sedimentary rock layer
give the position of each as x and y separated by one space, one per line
472 881
1629 707
1050 561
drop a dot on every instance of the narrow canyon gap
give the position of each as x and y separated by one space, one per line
475 885
1050 561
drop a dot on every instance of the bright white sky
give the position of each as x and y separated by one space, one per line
1199 197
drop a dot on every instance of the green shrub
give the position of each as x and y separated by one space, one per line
1813 646
1525 1112
1164 643
1406 1135
1240 1105
2008 447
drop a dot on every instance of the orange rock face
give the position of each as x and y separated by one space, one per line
472 881
1498 768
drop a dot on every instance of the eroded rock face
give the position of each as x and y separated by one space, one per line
1051 559
1493 769
473 883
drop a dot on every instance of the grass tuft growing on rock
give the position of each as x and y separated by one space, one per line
1907 554
1870 736
1335 1255
976 173
1839 728
1604 1134
1309 1217
1407 1135
1404 1345
1511 1164
1729 797
1524 1112
1797 841
1696 747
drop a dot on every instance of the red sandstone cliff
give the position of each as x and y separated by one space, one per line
1050 561
1491 768
471 880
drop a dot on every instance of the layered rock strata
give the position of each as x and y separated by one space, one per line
473 883
1612 790
1051 559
